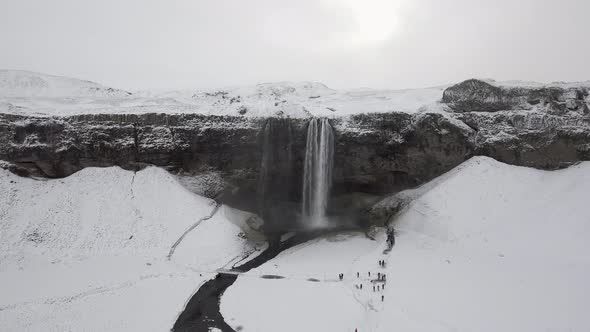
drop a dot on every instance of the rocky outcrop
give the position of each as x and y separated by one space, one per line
479 96
531 139
544 127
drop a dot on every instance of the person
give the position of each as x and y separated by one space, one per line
383 287
373 288
391 237
369 274
378 275
382 298
357 275
361 286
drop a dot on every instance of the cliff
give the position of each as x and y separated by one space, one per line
256 162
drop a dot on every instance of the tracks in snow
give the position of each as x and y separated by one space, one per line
193 226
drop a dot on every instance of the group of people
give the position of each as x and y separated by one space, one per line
382 287
341 276
382 277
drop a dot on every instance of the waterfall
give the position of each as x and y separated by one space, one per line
317 176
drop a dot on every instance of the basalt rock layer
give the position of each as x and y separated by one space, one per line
374 153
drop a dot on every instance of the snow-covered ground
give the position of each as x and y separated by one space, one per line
89 252
30 93
23 92
485 247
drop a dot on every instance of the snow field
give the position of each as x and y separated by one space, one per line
88 252
485 247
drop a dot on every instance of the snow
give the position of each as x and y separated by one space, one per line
28 93
485 247
88 252
20 83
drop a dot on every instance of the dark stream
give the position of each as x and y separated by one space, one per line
202 311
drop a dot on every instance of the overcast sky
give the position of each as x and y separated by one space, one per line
343 43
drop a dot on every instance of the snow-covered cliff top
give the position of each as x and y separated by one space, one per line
29 93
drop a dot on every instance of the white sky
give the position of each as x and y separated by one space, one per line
139 44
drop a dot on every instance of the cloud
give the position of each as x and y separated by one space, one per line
343 43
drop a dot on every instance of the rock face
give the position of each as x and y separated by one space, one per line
257 163
479 96
544 127
260 161
531 139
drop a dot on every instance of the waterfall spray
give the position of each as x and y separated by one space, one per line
317 176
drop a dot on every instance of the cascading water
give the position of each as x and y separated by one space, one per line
317 176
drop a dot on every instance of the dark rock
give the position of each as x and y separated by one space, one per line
531 139
479 96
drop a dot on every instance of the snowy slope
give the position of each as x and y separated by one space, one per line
486 247
31 93
23 92
88 252
20 83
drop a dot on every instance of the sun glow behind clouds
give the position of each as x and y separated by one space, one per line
376 19
334 25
